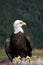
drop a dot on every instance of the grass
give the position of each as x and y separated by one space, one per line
2 53
35 52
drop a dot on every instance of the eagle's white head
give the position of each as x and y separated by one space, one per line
18 26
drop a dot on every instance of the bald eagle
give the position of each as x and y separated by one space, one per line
18 45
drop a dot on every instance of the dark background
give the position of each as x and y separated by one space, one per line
30 11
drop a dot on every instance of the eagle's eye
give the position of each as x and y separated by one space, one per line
20 22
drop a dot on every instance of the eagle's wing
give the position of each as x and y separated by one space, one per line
7 48
29 46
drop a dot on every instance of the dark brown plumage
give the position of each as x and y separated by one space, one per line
18 45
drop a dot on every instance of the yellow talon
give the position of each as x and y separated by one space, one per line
28 58
18 57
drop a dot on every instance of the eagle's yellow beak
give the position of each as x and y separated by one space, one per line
23 24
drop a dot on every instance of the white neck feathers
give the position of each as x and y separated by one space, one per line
18 29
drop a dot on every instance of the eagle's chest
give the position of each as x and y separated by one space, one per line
20 41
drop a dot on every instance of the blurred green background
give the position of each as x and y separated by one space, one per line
30 11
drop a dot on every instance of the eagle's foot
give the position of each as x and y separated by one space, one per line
16 59
28 58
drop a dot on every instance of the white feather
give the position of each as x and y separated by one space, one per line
17 27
